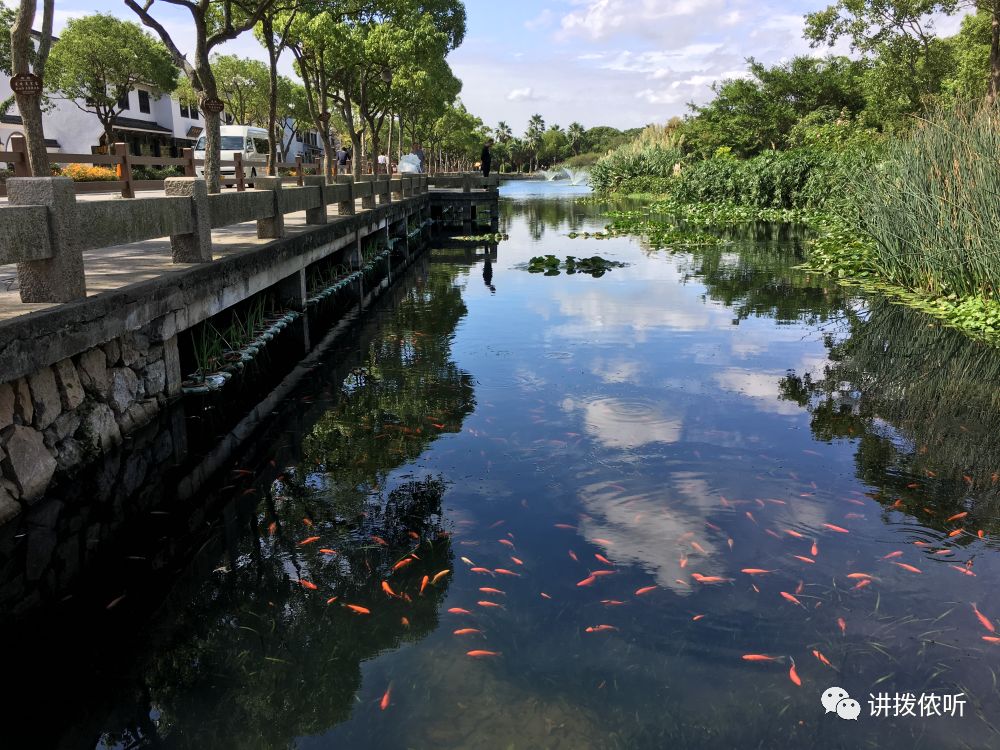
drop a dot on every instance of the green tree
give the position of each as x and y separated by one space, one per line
25 58
576 135
533 138
99 59
214 22
243 87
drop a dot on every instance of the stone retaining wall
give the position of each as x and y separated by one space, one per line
64 416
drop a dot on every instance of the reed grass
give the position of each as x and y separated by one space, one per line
932 205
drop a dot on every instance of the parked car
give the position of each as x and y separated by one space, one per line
248 141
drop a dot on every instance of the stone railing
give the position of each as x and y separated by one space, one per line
46 231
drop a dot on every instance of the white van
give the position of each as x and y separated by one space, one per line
250 142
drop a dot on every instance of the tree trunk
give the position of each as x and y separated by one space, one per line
356 146
267 28
994 89
29 105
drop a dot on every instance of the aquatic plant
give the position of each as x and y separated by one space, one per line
550 265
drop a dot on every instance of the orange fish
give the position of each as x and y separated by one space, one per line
488 590
793 675
308 584
380 540
516 561
842 624
438 576
791 597
388 589
467 631
308 522
954 533
332 599
966 571
478 654
599 573
589 580
506 543
482 570
821 658
990 639
838 529
459 611
404 621
357 609
505 572
814 550
709 579
910 568
545 596
564 526
572 554
402 563
384 703
897 553
858 575
272 527
755 571
862 584
683 562
603 559
604 542
423 583
730 543
696 618
600 628
804 559
698 548
611 603
796 534
759 657
645 590
485 603
413 535
310 540
750 516
983 619
956 516
327 551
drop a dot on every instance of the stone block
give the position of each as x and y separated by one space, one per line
114 351
23 409
99 430
196 246
70 388
156 378
134 348
70 455
28 461
9 506
93 372
67 424
124 387
45 397
6 405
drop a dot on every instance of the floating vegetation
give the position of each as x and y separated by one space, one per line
489 238
594 266
220 353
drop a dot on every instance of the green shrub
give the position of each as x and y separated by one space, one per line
156 173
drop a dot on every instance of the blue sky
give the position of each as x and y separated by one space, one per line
623 63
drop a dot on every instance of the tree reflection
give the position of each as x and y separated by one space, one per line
920 402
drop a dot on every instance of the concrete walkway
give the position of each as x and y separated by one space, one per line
115 267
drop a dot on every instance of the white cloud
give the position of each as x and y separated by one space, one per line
541 21
526 94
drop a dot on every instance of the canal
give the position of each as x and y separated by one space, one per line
667 506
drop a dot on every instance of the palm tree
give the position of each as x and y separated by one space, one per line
502 132
533 137
575 133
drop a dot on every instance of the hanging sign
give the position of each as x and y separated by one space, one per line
213 106
26 83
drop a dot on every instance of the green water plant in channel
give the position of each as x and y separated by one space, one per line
550 265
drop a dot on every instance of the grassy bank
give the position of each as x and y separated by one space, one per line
915 218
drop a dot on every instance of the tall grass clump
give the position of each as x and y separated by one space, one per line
932 205
644 165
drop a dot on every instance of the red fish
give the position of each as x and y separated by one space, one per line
709 579
388 589
862 584
308 584
759 657
404 621
544 595
645 590
966 571
696 618
476 654
310 540
910 568
516 561
565 526
603 559
459 611
842 624
467 631
990 639
956 516
611 603
327 551
488 590
698 548
402 563
572 554
332 599
506 543
793 675
358 609
604 542
755 571
423 583
897 553
821 658
380 540
439 575
588 581
600 628
482 570
791 597
838 529
814 550
485 603
804 559
505 572
384 703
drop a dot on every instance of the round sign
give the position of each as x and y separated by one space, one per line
213 106
26 83
324 117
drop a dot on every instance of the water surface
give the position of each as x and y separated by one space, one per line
559 444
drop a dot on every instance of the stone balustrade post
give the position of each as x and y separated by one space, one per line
316 215
368 201
195 247
346 207
382 186
59 278
273 227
